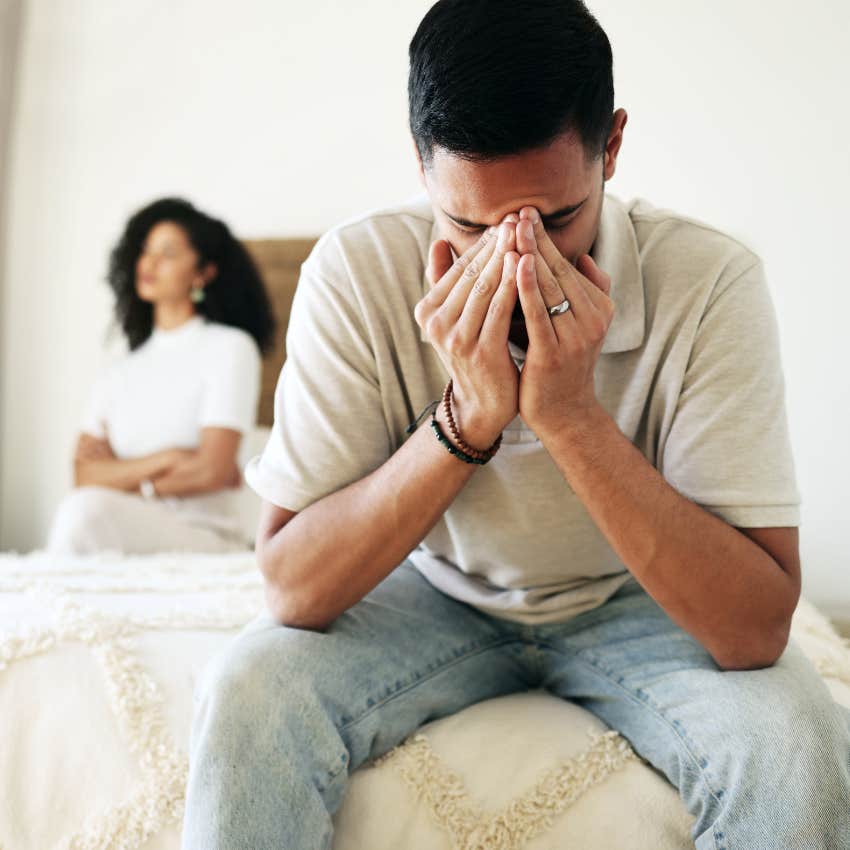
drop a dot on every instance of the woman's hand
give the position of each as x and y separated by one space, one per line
212 466
171 458
466 316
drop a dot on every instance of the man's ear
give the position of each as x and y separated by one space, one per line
418 161
615 141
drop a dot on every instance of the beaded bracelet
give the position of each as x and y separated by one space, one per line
484 454
452 448
465 452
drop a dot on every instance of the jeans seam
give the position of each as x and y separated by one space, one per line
476 649
331 776
659 713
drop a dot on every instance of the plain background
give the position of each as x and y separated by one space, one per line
283 118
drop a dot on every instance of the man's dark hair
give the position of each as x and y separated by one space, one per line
236 296
490 78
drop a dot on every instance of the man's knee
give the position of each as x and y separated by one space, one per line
260 695
787 724
264 672
806 730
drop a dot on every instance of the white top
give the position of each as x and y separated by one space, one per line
200 374
690 370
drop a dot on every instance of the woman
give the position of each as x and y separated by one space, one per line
156 463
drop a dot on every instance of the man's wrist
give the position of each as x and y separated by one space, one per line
475 431
472 437
582 424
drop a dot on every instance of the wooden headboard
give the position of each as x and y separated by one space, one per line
279 262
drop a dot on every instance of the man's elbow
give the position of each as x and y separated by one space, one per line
289 609
751 662
288 605
758 654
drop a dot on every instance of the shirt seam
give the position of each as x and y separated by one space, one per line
660 218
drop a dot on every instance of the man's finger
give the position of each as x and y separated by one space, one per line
439 260
497 323
583 293
474 300
538 324
587 266
550 286
478 253
444 285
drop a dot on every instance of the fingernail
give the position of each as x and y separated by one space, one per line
504 235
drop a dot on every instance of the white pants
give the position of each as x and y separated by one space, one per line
97 519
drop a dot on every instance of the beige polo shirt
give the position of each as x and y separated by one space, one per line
690 370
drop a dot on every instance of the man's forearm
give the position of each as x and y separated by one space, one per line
713 581
120 474
331 554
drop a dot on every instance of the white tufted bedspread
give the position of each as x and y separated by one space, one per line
98 661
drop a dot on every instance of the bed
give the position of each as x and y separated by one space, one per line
98 661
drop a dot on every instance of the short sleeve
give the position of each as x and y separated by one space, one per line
728 448
96 417
232 382
329 426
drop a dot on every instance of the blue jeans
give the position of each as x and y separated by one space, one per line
761 758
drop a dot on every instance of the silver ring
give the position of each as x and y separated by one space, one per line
559 308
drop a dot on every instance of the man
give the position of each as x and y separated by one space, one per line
603 504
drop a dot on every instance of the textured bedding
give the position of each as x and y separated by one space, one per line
98 661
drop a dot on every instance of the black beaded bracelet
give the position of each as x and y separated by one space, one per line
429 408
452 448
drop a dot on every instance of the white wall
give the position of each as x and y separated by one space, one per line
10 22
283 118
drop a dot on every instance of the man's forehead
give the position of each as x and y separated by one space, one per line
556 180
547 213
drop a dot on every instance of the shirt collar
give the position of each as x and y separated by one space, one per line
616 252
159 336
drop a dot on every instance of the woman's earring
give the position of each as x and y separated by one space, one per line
197 295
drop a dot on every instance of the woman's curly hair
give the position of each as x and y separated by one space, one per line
236 296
